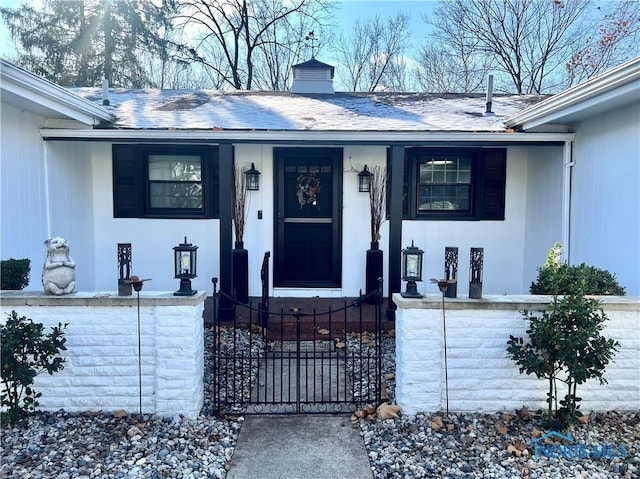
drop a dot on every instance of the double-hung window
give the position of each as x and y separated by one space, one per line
450 183
444 183
175 182
171 181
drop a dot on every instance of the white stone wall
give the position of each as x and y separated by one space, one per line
101 372
480 375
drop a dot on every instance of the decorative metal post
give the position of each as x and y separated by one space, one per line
137 284
451 271
124 269
443 286
475 273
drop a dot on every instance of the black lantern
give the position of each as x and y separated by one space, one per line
253 178
185 259
364 180
412 270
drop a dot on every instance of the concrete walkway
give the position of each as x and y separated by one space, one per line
299 447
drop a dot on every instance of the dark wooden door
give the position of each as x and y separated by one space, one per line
308 217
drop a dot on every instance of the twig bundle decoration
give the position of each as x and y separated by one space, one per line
239 201
377 200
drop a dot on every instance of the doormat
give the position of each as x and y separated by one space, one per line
305 346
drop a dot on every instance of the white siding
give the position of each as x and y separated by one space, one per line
605 199
24 222
512 251
81 189
544 207
152 240
70 199
513 248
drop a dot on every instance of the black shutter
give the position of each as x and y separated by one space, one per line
128 187
493 178
211 165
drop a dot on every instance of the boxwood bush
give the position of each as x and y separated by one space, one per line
576 279
14 273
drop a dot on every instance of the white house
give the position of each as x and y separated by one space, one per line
99 169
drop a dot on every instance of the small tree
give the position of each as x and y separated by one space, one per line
565 344
26 352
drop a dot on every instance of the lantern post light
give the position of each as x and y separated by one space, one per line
253 178
364 180
185 259
412 270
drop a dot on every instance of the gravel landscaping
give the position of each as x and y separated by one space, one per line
97 445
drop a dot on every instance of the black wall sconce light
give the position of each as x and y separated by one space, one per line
412 270
253 178
185 260
364 180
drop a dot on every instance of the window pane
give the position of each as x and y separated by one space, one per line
175 168
445 170
175 195
445 184
444 197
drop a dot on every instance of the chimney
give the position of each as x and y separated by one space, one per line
105 92
312 76
488 111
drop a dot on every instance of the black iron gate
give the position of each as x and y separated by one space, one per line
296 361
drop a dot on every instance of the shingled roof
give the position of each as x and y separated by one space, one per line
284 111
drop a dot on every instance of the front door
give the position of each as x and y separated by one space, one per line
308 217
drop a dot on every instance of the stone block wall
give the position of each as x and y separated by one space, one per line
480 375
101 372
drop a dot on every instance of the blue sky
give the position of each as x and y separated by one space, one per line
350 10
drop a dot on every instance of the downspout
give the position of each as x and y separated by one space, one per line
567 170
47 200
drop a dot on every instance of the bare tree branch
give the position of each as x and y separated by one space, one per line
527 41
241 30
371 56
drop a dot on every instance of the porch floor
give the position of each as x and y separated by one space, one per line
285 327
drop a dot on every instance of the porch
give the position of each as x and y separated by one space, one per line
314 316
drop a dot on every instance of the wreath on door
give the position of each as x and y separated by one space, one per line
307 189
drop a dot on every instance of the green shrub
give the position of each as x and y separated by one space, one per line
14 273
26 352
565 341
565 344
555 277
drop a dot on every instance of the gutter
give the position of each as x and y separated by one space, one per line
328 137
47 94
599 89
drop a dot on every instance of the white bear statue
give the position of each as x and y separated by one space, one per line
59 270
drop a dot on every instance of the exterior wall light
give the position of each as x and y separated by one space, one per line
412 270
185 260
364 180
253 178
